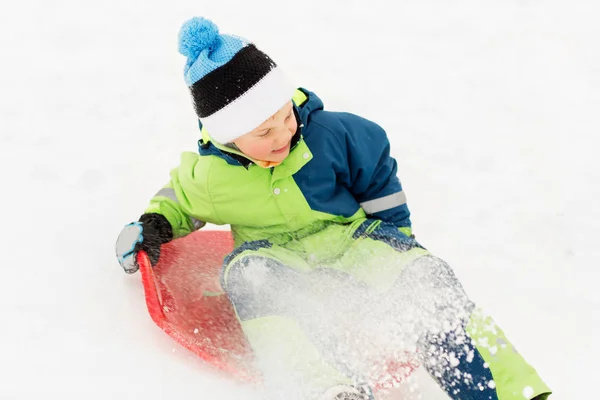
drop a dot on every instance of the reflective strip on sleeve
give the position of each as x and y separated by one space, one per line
384 203
169 193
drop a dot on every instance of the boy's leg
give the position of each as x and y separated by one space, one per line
271 299
462 349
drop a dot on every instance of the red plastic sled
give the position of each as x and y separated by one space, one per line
185 298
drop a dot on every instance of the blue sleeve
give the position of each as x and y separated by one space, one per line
371 172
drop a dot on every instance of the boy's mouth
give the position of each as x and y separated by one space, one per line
281 150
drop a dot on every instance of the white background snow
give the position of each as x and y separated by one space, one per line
492 108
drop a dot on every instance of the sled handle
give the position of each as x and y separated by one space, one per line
153 297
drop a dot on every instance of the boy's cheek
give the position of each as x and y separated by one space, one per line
259 151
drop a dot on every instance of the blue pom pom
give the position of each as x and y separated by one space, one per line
196 35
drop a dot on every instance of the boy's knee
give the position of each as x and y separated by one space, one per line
431 271
251 273
257 285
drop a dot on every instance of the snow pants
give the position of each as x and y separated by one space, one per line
327 306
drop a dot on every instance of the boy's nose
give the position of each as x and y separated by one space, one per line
283 136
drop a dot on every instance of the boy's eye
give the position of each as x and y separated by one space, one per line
288 117
265 133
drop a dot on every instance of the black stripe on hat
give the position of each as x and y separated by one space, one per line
225 84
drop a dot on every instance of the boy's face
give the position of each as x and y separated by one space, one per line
271 140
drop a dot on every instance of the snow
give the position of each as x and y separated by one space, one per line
491 107
528 392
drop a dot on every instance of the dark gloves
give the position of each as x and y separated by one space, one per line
148 234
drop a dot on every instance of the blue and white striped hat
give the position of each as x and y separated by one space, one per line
235 87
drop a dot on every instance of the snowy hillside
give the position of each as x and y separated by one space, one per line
491 107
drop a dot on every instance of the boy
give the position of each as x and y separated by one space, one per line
321 227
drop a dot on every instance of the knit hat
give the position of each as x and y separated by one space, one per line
235 87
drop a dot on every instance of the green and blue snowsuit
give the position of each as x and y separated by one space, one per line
334 206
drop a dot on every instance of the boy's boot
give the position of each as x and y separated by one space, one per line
347 392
